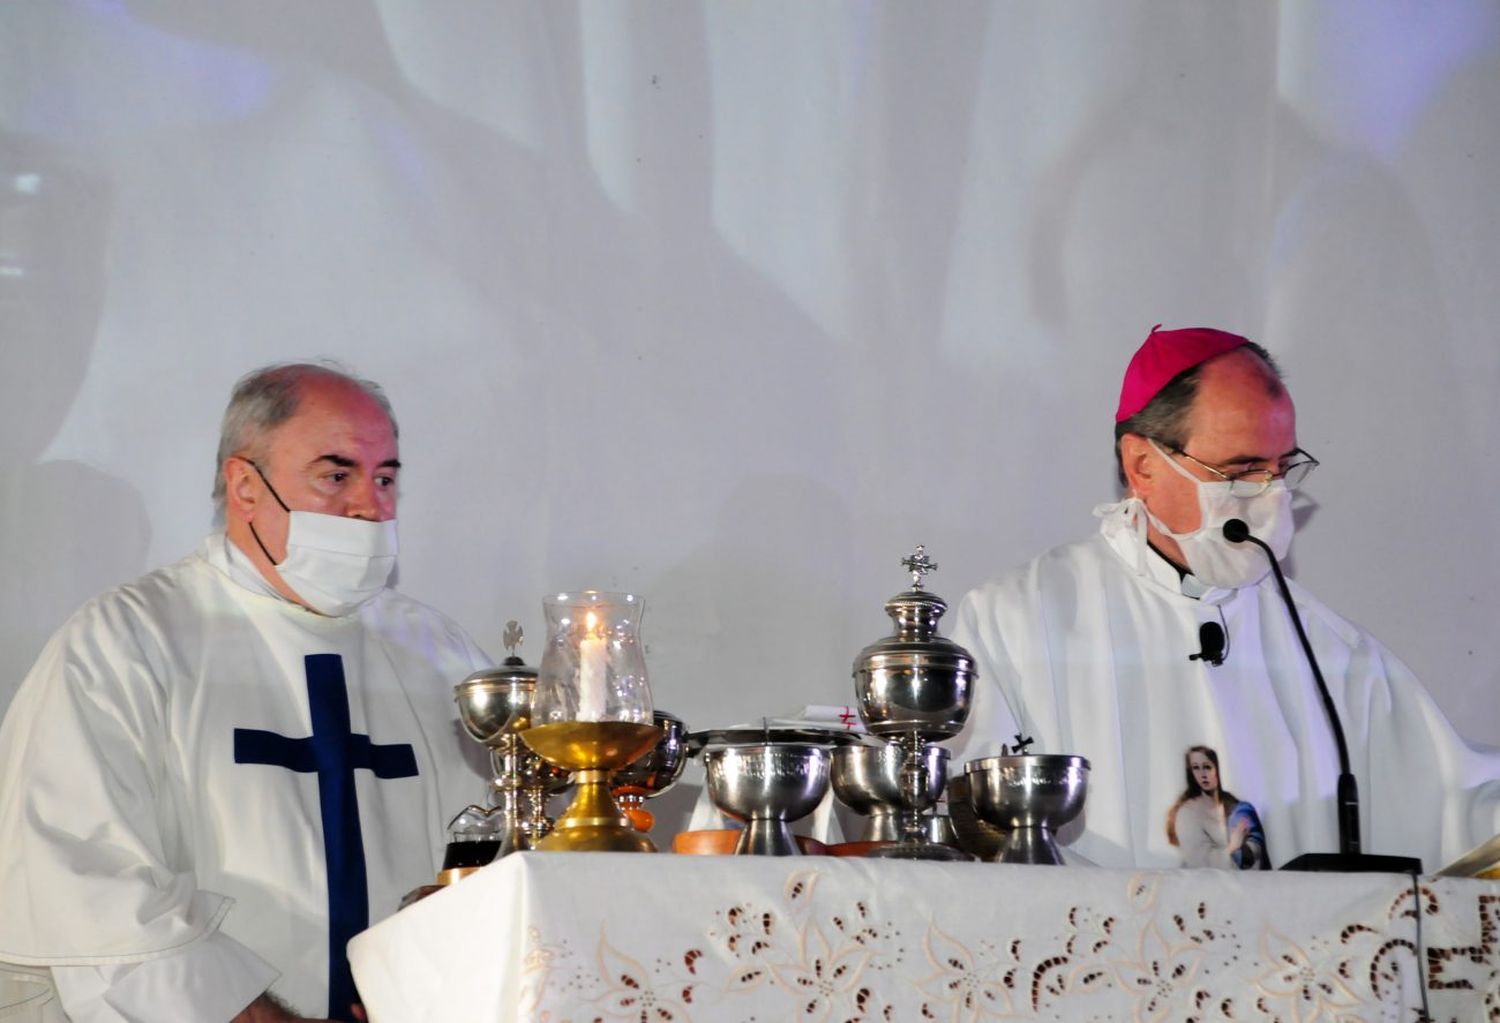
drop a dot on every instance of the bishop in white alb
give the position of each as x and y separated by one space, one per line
1087 650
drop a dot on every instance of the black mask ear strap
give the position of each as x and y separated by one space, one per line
261 542
279 501
267 482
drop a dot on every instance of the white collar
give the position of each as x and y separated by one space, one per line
1123 525
225 555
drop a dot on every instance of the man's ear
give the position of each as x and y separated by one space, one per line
242 490
1139 465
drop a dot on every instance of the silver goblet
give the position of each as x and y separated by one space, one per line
767 786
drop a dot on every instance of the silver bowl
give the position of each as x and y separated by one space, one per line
654 773
974 835
867 779
1028 798
660 768
767 786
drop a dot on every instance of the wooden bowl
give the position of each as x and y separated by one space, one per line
721 842
854 848
712 842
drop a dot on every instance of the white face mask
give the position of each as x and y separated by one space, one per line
335 564
1213 559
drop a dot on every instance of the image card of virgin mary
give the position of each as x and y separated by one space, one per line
1209 825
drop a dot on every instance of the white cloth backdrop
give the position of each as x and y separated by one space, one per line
731 304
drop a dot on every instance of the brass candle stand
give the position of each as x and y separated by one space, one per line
592 751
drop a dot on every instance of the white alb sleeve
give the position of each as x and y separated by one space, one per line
207 981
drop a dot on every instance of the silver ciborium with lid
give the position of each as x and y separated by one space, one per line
914 688
494 706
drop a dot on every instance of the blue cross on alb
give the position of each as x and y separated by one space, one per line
334 753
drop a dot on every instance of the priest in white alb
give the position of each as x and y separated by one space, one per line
1157 646
218 774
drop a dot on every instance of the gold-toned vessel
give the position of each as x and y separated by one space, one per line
592 751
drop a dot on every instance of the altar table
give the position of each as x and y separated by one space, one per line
560 937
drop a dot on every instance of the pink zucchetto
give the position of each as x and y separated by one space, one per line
1165 354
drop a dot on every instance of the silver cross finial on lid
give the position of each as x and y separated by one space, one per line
512 637
918 564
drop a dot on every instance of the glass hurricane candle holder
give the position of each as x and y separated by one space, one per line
592 713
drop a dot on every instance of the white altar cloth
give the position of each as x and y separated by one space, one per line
588 936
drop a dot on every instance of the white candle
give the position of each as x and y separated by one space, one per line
593 659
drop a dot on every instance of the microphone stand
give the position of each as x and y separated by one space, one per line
1349 858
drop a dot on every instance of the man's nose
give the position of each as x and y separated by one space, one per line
363 501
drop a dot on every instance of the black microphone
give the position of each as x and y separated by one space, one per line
1211 640
1235 531
1349 857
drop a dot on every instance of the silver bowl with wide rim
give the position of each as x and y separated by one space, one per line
767 786
1028 797
868 780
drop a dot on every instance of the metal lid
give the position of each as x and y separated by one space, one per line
495 702
713 738
511 673
915 613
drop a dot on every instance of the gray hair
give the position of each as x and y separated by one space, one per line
1164 419
265 398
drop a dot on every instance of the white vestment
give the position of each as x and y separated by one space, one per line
1086 650
158 858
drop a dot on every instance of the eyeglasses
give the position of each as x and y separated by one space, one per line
1294 468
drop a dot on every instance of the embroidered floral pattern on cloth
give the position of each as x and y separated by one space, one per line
579 937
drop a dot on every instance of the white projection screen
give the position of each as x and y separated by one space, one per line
732 304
